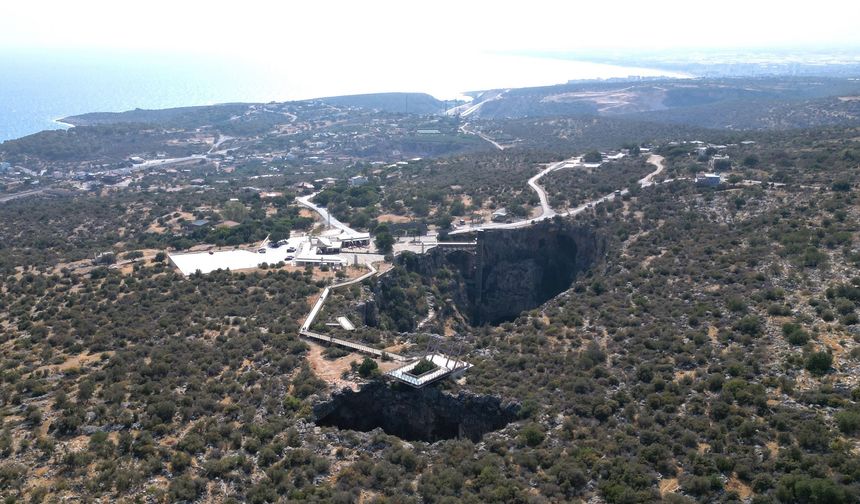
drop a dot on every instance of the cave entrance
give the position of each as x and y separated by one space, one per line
415 414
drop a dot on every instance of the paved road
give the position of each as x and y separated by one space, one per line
221 139
483 136
547 212
23 194
306 202
471 109
645 181
657 161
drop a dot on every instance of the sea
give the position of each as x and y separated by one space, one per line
38 87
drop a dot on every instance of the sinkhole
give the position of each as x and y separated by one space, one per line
426 414
511 270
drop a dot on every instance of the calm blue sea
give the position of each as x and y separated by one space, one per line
38 87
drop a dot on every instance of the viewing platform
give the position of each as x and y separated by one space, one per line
446 366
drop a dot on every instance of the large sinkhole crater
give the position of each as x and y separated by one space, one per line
513 270
427 414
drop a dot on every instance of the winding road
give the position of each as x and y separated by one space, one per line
547 211
331 220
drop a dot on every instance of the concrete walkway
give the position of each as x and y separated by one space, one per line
358 347
306 332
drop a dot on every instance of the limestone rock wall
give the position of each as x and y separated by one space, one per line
426 414
520 269
514 270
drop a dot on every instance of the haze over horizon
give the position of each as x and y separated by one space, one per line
327 48
59 59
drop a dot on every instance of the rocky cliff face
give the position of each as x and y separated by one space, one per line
426 414
514 270
520 269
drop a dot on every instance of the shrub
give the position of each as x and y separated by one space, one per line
794 334
185 489
750 325
368 367
818 363
798 488
532 434
423 366
848 421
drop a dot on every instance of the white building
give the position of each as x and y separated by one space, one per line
357 181
708 180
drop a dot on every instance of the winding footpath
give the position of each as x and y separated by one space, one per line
309 320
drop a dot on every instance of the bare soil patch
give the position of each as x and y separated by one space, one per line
397 219
669 485
739 487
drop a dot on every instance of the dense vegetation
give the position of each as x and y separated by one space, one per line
711 356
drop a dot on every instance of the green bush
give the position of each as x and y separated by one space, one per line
532 434
818 363
795 488
795 334
423 366
368 368
848 421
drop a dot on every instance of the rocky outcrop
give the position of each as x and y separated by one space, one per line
520 269
513 270
426 414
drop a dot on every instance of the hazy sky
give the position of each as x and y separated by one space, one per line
400 42
353 27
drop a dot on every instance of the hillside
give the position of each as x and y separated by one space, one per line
401 103
709 355
738 104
